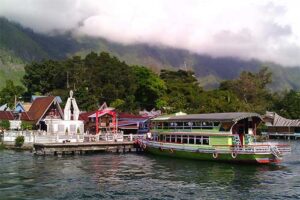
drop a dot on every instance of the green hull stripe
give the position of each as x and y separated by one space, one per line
209 156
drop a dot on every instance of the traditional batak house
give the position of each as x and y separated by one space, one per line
133 124
109 120
53 124
280 125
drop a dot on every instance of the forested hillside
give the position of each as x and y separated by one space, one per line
20 45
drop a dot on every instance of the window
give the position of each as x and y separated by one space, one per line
206 140
161 138
191 140
216 124
184 139
178 139
198 140
166 125
168 139
173 138
207 125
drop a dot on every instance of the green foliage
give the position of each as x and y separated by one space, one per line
10 92
251 88
26 125
220 101
183 90
4 124
19 141
98 78
44 77
150 88
119 104
288 105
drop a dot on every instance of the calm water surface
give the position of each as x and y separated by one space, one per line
137 176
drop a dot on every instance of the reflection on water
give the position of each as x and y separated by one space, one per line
137 176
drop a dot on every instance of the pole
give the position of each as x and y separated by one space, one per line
97 126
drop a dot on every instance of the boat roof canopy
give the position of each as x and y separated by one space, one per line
216 117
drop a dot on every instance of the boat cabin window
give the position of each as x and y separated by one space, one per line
168 139
161 138
198 140
225 126
207 125
191 139
183 139
205 140
187 125
173 138
178 139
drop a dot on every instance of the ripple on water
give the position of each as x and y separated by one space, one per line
135 176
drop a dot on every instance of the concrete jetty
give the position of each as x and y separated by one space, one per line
84 147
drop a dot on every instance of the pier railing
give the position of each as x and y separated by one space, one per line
40 137
279 149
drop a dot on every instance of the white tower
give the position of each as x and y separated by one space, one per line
71 103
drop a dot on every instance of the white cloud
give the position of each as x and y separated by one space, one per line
261 29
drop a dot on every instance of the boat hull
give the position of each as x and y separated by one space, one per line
214 156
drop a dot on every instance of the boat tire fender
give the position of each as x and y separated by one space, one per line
215 155
233 154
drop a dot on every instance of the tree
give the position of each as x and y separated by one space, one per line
220 101
10 92
289 105
251 88
183 90
150 88
44 77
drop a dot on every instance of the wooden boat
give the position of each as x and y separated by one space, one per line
228 137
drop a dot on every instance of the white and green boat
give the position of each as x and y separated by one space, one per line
228 137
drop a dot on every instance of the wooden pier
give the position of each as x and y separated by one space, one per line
84 147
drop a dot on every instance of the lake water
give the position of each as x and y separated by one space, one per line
139 176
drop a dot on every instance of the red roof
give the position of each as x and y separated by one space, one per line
85 116
25 117
39 107
130 116
6 115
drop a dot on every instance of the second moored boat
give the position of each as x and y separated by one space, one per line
226 137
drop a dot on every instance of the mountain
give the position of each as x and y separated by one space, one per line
19 45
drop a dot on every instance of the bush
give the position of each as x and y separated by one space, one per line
19 141
26 126
4 124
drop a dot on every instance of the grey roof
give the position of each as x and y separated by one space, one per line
281 121
230 117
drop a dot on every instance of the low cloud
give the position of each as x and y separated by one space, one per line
261 29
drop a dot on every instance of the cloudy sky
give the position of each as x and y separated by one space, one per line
262 29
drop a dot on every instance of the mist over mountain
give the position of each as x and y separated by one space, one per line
19 45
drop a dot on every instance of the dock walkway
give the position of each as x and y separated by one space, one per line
84 147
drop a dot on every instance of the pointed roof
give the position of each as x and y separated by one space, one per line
40 106
19 107
4 107
6 115
279 121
